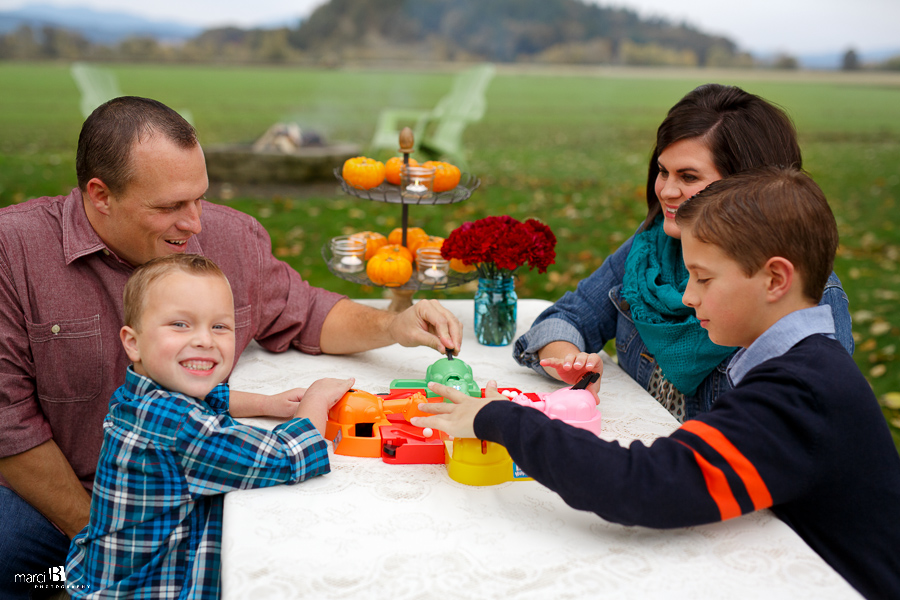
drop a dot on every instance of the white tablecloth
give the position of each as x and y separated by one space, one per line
374 530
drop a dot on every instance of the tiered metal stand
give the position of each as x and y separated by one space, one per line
386 192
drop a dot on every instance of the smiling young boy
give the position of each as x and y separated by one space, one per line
171 450
800 433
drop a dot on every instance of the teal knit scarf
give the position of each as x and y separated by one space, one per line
654 282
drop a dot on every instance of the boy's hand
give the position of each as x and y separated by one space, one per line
457 419
321 396
572 367
285 403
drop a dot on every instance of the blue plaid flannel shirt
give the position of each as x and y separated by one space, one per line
155 528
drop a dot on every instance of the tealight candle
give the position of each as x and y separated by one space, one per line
416 187
348 254
431 267
416 183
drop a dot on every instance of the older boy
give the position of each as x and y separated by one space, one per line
170 450
801 433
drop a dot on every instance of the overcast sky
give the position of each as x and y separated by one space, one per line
792 26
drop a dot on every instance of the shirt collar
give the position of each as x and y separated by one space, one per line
80 239
781 337
140 385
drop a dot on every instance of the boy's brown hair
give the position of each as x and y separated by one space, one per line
153 270
772 211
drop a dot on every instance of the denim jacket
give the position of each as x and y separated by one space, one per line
594 313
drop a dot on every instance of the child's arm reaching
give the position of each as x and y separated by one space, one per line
319 397
282 405
458 418
219 454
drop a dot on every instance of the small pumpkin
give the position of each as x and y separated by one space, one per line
395 250
389 270
446 176
414 236
392 169
432 241
363 173
460 267
373 240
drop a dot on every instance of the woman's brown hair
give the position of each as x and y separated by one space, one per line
741 130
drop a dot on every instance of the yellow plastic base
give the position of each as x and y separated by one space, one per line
476 462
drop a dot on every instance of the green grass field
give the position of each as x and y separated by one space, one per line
567 146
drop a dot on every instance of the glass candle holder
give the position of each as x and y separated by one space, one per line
416 183
431 267
347 254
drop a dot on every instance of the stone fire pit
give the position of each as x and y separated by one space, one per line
285 154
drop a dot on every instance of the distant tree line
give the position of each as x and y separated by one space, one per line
535 31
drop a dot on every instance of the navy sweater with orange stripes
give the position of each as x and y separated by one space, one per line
801 433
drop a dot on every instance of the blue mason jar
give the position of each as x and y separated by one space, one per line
495 310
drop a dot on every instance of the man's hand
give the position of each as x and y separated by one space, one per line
45 479
427 323
457 419
353 327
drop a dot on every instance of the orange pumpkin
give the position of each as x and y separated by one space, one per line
392 169
414 236
389 270
432 241
446 176
363 173
395 250
373 240
460 267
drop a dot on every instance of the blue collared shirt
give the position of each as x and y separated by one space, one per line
167 459
781 337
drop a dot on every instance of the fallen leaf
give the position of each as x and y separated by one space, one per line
879 327
877 371
863 316
891 400
868 345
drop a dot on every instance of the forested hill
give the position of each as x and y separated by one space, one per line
504 31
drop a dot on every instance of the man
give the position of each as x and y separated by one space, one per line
64 262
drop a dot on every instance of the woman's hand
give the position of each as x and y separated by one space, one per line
573 366
456 419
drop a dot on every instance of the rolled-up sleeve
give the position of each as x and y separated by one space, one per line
22 423
286 311
218 454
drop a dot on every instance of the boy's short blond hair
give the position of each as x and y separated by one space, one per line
153 270
772 211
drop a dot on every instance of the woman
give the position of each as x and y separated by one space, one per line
635 296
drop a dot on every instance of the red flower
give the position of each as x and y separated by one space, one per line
500 245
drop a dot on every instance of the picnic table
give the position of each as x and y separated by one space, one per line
370 529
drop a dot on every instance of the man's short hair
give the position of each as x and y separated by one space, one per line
151 271
771 211
111 131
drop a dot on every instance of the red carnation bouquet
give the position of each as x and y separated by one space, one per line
498 246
